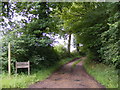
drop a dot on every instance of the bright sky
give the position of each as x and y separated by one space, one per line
64 42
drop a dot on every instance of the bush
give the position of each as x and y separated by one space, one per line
110 51
75 54
46 58
61 50
39 52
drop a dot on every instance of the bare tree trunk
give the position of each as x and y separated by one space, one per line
77 47
69 44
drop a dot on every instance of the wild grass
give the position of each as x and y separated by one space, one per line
24 80
106 75
75 63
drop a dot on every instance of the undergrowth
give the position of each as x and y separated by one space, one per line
106 75
75 63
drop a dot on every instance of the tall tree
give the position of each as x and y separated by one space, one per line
30 40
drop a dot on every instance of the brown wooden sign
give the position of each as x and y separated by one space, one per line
23 65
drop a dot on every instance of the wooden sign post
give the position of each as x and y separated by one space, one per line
23 65
9 60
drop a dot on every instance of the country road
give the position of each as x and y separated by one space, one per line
69 77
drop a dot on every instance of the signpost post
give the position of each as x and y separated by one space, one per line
9 60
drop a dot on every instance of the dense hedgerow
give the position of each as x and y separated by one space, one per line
99 32
39 52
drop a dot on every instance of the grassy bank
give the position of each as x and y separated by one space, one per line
106 75
75 63
23 80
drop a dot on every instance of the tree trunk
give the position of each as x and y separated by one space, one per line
69 44
77 47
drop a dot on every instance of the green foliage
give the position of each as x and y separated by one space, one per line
75 63
97 27
61 50
30 40
37 51
106 75
110 50
75 54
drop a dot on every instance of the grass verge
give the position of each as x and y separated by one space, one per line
106 75
23 80
75 63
